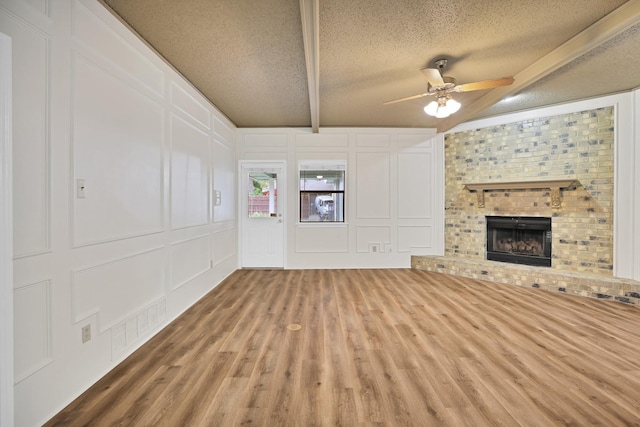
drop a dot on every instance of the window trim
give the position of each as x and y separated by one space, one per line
328 165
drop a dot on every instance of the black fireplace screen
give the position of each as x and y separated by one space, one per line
519 240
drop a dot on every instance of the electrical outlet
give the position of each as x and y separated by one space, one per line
81 189
86 333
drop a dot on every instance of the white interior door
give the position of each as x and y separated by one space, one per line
262 196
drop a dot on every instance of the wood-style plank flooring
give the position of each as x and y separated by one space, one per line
394 347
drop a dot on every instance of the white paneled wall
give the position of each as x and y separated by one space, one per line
117 154
31 150
189 174
394 191
116 160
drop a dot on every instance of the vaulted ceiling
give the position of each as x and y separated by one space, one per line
323 63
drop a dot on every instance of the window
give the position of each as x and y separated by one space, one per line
263 194
322 191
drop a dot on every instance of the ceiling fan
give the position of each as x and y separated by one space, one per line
442 86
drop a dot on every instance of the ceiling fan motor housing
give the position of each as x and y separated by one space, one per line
449 84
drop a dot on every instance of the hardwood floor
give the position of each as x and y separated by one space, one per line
377 347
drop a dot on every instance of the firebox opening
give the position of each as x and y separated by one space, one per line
519 240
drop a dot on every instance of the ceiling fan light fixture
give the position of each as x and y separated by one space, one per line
453 106
431 108
443 107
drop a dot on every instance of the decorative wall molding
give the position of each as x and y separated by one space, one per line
137 279
188 105
95 39
32 146
196 259
6 236
32 310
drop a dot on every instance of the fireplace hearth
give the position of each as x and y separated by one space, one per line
519 240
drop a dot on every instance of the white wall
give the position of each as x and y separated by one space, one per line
394 194
6 237
93 103
626 209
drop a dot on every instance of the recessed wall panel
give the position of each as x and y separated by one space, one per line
414 237
189 259
226 134
415 185
189 105
266 140
99 38
117 147
224 245
322 239
223 181
376 140
118 289
373 185
30 137
318 141
189 175
415 142
41 6
32 328
368 235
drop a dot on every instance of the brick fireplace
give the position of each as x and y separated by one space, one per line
558 167
576 146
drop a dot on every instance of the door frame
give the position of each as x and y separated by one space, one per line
6 236
282 202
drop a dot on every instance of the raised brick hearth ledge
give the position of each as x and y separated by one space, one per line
588 285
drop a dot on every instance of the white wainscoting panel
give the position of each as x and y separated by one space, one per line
41 6
189 174
92 32
118 157
317 141
32 328
416 141
189 259
224 131
411 238
372 235
186 103
224 181
118 289
31 160
224 245
373 185
256 142
415 185
322 239
373 140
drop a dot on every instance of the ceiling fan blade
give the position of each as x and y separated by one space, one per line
433 76
407 98
485 84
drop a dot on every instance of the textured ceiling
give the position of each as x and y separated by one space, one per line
248 57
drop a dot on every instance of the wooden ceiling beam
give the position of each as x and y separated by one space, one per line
309 12
600 32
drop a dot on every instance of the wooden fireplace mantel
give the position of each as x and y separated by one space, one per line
552 184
